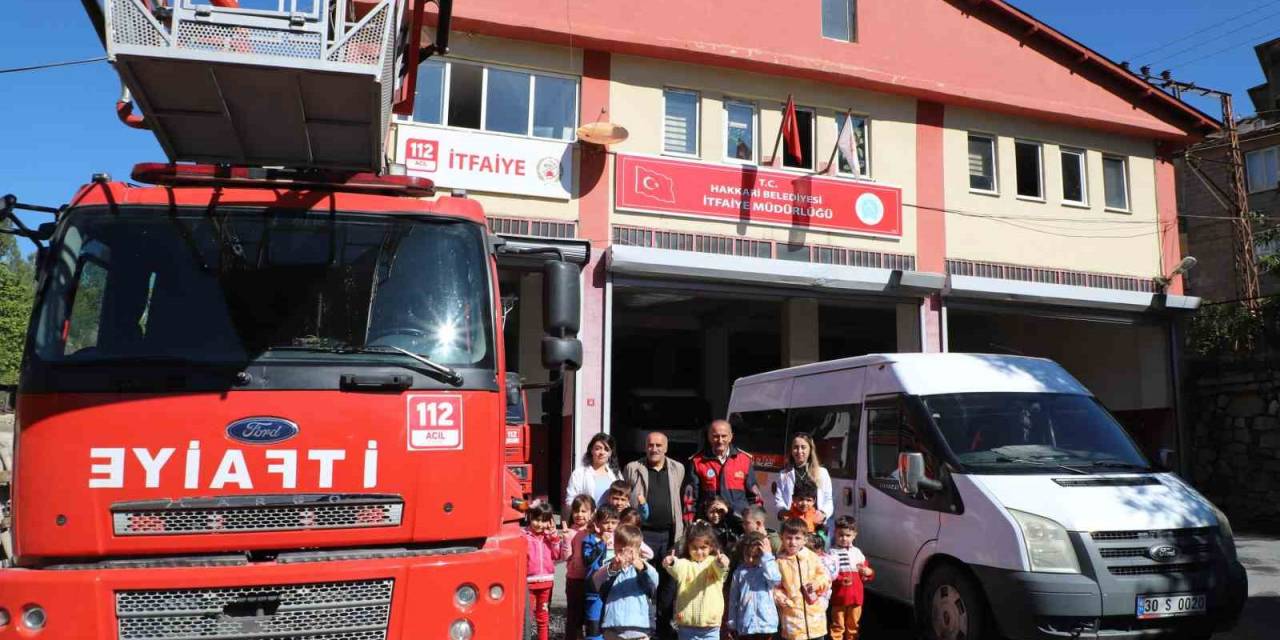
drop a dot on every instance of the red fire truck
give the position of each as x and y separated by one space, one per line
266 403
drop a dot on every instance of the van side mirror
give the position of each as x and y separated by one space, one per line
561 353
1168 459
911 478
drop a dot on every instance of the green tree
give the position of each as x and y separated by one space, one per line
17 292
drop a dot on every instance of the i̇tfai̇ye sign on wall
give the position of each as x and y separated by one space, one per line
754 195
486 162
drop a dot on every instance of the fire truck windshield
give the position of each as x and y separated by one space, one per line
238 286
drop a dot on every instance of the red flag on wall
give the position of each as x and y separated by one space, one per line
791 131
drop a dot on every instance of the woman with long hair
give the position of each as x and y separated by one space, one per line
803 462
598 470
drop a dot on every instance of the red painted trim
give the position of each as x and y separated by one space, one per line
593 225
1167 216
931 222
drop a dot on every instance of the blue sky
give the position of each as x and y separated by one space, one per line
59 127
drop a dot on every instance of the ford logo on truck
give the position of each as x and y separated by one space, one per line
260 430
1163 553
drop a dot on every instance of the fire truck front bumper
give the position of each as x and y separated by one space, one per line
384 594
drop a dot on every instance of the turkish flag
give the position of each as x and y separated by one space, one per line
791 131
658 186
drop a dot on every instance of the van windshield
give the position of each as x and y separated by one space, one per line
1033 433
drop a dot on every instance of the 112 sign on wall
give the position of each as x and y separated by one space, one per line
434 422
422 155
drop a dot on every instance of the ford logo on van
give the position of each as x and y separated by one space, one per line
1163 553
261 430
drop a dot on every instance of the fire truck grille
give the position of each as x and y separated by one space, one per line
256 514
312 611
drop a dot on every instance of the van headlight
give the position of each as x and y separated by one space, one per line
1048 545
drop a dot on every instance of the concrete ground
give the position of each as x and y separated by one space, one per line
1260 555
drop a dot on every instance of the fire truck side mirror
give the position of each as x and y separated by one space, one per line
561 297
561 353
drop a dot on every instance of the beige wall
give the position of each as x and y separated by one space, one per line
636 102
1090 238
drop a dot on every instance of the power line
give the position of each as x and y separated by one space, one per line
52 65
1202 30
1252 38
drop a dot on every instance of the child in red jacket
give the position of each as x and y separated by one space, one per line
846 587
544 552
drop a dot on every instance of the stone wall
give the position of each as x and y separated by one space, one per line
1234 420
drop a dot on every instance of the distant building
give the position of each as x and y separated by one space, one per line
1210 240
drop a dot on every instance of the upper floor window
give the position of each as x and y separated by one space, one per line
1262 167
1026 159
740 131
473 96
1075 183
680 122
1115 182
982 163
804 124
860 125
839 19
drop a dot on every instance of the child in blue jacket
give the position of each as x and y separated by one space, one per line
626 585
752 613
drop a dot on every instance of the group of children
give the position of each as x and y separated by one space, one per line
733 576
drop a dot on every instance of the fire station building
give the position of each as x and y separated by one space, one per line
1011 192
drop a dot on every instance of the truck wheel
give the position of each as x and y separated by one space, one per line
952 607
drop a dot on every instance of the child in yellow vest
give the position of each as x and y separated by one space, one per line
801 612
699 575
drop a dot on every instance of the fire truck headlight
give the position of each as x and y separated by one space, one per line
465 596
461 629
496 592
34 618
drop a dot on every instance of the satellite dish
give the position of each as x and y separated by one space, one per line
602 133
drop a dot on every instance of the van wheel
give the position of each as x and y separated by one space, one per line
952 607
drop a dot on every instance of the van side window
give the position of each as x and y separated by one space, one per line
762 434
835 434
893 429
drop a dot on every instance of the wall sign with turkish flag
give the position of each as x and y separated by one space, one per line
755 195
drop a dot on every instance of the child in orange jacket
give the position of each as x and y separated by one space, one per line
801 615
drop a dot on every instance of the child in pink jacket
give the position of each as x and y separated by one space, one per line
544 552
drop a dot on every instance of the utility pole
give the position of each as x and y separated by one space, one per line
1237 201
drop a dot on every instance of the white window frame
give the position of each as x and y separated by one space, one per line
697 123
446 96
755 131
995 163
1039 169
851 9
866 140
1083 156
813 139
1249 186
1124 173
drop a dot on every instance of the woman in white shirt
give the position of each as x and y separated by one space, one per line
802 462
598 470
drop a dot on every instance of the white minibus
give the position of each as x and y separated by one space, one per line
998 497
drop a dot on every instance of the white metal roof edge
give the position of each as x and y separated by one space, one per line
646 261
1066 295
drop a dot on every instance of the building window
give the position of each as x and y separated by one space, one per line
1075 183
839 19
1026 157
982 163
1115 181
1262 168
860 127
740 131
804 124
428 105
680 123
473 96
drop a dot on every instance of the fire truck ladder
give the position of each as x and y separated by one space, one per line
289 83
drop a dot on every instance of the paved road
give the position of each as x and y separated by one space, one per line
1260 556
